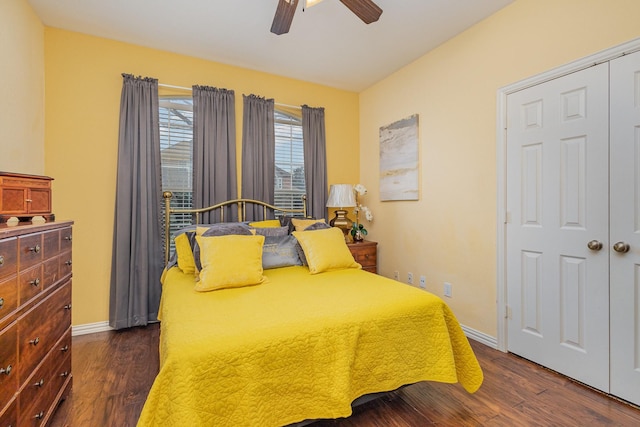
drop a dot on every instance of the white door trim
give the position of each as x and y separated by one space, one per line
501 145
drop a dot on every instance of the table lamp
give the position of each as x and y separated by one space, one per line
341 196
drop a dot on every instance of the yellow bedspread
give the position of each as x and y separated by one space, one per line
298 347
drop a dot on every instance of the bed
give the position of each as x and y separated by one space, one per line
302 343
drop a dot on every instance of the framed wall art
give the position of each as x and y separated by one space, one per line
399 167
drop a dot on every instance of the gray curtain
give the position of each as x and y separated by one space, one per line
315 160
214 149
137 260
258 152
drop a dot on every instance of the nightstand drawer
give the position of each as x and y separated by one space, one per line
366 254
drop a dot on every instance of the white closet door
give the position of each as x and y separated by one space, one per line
557 202
625 227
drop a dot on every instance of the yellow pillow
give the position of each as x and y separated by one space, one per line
301 224
268 223
230 261
325 250
184 254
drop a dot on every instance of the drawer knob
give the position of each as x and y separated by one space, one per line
39 383
64 349
35 282
67 263
1 260
65 374
6 371
35 249
39 415
68 238
35 341
1 302
67 307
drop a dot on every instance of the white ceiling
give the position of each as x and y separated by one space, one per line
327 44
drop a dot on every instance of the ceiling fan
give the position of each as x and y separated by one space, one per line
366 10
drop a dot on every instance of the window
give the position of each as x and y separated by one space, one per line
289 167
176 148
176 155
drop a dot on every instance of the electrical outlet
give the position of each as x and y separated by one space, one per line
447 289
396 275
410 278
423 282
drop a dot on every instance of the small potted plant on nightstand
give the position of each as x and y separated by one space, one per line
357 229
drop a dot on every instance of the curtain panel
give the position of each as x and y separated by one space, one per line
315 160
214 149
258 152
137 259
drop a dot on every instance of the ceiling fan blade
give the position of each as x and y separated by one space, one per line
366 10
284 16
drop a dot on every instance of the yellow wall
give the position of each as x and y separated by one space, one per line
22 89
83 85
450 233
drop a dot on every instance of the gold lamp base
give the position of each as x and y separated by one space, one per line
342 221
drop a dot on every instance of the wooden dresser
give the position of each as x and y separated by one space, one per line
35 321
365 253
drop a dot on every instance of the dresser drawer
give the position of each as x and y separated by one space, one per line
50 244
8 257
30 250
66 239
50 272
41 327
65 263
8 297
8 364
10 416
29 283
62 352
61 356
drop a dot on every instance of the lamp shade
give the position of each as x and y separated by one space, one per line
341 196
309 3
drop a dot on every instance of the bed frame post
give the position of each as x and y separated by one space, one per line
167 221
304 205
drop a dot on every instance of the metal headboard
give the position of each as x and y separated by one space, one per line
242 211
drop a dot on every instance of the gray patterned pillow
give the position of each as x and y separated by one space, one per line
226 228
317 226
280 251
272 231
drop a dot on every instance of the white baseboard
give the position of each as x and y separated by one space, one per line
481 337
90 328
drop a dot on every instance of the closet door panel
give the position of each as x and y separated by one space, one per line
625 227
557 201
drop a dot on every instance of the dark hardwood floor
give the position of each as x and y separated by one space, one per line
113 372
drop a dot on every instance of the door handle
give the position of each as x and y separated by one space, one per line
621 247
594 245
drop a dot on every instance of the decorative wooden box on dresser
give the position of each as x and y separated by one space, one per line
35 321
25 196
365 253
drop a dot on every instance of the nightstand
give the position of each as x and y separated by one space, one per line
365 253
